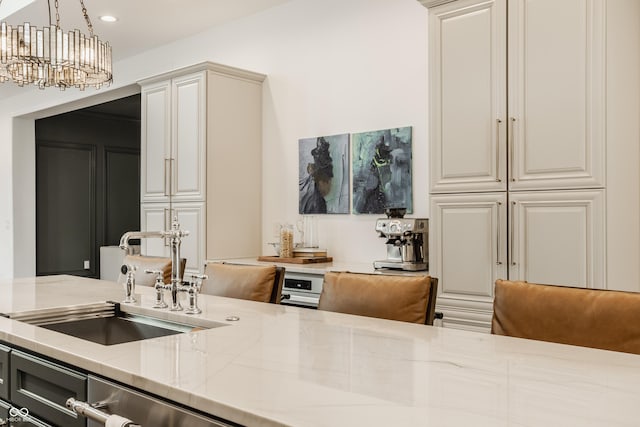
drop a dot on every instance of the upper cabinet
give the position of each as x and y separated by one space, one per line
173 146
467 40
201 157
556 93
517 98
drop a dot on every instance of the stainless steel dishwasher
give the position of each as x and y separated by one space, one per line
108 398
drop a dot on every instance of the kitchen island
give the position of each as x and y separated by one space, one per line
286 366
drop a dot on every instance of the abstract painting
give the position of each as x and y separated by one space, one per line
382 170
324 175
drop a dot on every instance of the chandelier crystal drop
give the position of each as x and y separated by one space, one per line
50 57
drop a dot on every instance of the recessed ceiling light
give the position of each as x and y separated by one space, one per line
108 18
9 8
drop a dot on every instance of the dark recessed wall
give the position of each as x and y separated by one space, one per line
87 185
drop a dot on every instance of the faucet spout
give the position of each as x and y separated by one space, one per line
175 235
124 240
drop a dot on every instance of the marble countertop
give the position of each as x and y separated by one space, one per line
287 366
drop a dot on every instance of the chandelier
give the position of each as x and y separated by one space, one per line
50 57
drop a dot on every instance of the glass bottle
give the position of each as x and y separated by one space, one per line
286 241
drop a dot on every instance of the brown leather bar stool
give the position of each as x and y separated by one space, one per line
596 318
261 283
143 262
394 297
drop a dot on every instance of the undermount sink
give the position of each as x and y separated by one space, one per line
106 324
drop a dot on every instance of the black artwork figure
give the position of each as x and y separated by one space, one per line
315 187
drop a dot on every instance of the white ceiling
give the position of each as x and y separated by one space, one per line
141 25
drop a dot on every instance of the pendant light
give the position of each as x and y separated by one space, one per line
50 57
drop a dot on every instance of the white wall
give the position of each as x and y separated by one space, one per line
333 66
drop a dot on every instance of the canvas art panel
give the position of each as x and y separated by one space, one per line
382 170
324 175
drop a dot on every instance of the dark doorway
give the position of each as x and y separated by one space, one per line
87 185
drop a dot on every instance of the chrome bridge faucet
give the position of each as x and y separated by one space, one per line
175 235
192 289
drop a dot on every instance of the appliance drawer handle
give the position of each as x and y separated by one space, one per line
87 410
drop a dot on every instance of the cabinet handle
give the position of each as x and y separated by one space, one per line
498 123
167 177
165 210
172 190
498 262
92 413
511 233
511 149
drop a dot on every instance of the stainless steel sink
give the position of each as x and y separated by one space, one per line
105 323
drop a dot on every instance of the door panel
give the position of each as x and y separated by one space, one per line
122 193
154 217
558 238
468 242
65 206
188 150
557 93
468 133
155 142
191 217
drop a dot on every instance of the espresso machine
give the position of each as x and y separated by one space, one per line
407 242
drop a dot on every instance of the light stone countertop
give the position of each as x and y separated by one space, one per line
321 267
281 365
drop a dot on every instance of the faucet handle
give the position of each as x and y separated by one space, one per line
159 275
192 289
197 280
159 287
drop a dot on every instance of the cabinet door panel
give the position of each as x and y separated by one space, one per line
155 142
556 93
189 140
154 217
558 238
191 217
467 41
468 253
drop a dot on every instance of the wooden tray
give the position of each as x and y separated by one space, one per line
297 260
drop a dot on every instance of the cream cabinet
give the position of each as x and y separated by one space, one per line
173 145
529 116
191 216
517 148
468 252
201 127
557 237
467 71
540 237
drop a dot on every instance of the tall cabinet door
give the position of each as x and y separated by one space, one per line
188 151
468 96
155 150
557 237
557 93
469 242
